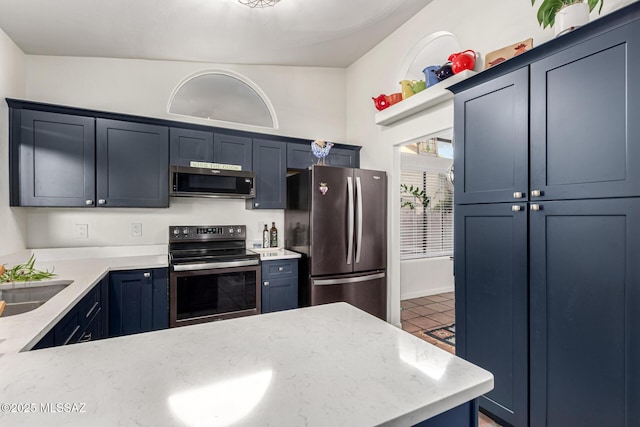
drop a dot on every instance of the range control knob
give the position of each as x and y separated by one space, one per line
185 230
238 231
176 231
231 230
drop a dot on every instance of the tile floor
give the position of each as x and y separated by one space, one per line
432 312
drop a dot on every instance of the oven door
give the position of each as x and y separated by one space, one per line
197 296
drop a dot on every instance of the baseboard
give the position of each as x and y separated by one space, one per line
425 292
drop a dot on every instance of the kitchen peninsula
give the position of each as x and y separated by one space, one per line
317 366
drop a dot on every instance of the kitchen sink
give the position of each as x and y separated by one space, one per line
22 300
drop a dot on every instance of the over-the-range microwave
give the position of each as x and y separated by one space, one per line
189 181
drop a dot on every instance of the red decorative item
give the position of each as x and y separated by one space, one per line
394 98
462 61
381 102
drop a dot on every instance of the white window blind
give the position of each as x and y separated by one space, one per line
426 232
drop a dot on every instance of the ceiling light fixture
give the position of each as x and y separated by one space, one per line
258 3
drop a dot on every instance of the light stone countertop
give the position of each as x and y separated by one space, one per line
272 254
85 267
329 365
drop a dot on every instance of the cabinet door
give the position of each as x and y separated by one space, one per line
132 162
585 105
585 322
233 150
279 294
187 145
299 156
491 123
343 157
492 302
56 160
130 302
270 166
160 303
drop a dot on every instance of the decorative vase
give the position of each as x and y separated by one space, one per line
571 17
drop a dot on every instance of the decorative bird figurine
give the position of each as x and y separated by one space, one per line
321 149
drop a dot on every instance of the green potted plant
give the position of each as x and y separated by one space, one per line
569 13
415 194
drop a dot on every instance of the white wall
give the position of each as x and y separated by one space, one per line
12 85
477 26
427 276
309 103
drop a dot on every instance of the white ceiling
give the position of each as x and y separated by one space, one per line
331 33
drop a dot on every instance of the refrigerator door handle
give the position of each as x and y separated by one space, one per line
324 282
359 218
350 220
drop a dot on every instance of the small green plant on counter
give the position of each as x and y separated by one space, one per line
24 273
550 8
417 195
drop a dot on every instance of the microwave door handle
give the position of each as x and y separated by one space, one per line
359 218
350 220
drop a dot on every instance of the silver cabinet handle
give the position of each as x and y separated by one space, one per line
535 207
516 208
102 202
518 195
266 283
536 193
88 202
147 275
85 338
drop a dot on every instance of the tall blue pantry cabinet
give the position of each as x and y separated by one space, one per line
547 228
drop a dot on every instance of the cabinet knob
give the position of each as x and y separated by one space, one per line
102 202
147 274
88 202
266 283
535 207
536 193
516 208
518 195
256 204
280 268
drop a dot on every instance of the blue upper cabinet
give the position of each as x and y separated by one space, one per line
132 164
233 150
299 156
584 119
491 123
270 166
187 145
53 159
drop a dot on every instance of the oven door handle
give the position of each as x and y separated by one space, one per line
213 265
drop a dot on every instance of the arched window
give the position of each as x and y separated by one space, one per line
224 96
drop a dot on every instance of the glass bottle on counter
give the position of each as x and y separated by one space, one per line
265 237
274 235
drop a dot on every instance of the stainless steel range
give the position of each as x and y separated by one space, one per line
212 275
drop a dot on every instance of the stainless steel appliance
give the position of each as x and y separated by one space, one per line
203 182
212 276
336 217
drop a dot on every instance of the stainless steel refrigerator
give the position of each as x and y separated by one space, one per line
337 218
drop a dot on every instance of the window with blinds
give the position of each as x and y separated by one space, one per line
426 231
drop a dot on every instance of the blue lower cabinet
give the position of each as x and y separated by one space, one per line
465 415
84 322
138 301
279 285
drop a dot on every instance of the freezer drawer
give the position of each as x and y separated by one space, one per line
368 292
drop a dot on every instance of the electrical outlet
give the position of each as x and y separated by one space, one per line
82 231
136 229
